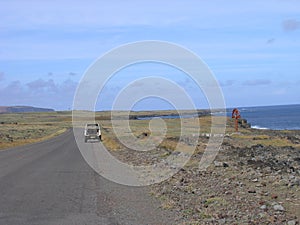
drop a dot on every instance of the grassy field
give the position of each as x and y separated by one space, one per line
23 128
254 171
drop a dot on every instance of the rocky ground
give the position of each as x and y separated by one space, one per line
255 179
258 184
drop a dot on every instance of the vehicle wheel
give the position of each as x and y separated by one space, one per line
85 140
100 138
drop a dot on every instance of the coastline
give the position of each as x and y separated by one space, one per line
278 117
255 178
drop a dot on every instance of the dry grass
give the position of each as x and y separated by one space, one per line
24 128
248 140
141 129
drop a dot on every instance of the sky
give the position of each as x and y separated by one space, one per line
251 47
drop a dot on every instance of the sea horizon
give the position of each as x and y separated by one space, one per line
273 117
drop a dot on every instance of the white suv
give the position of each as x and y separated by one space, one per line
92 131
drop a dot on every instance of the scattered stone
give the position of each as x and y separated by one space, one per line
274 196
225 164
254 189
262 215
222 221
291 177
218 164
291 222
278 208
263 207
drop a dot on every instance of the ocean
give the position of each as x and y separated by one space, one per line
283 117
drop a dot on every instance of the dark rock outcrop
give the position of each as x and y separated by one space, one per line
244 123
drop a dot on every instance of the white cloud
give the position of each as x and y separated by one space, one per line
234 37
43 93
257 82
291 25
32 14
2 76
270 41
280 91
72 74
227 83
42 85
36 29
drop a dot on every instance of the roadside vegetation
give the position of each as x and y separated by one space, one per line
255 178
24 128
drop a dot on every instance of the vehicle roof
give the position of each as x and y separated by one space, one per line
92 124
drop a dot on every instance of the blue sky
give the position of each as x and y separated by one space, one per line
252 47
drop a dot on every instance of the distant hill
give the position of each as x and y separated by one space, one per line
23 109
